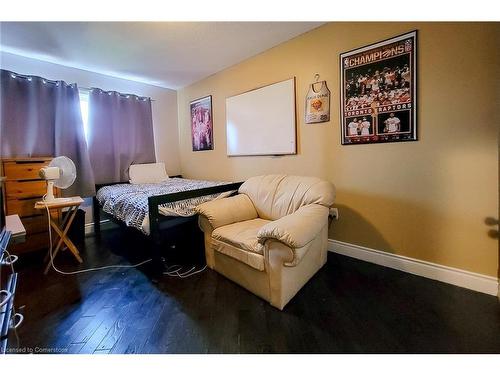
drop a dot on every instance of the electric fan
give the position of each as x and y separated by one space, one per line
61 173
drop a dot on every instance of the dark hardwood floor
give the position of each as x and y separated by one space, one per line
349 307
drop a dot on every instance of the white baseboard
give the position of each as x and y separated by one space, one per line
450 275
89 227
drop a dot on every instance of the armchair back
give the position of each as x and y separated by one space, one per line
275 196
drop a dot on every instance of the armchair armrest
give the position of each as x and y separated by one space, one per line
227 211
298 229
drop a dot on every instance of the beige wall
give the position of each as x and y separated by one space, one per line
427 199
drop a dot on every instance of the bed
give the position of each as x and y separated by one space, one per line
156 209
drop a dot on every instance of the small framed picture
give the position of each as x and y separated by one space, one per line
379 92
202 136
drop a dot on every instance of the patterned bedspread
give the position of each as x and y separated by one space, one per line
129 203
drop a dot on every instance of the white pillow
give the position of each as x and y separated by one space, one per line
150 173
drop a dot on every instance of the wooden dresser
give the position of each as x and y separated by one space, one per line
22 189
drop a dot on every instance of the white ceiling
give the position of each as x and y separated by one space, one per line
165 54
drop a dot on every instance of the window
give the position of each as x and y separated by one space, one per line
84 108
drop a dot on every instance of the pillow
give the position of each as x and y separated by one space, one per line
150 173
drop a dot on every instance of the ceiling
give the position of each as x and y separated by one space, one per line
165 54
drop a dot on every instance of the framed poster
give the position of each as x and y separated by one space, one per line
202 124
378 92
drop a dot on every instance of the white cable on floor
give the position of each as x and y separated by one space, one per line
85 270
15 326
184 274
168 273
7 294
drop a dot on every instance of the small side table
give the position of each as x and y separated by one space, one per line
62 228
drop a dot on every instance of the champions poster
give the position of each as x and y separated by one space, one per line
378 92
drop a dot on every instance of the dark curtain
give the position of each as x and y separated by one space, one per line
120 133
39 117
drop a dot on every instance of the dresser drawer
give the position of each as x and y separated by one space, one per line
25 189
23 170
35 224
33 242
23 207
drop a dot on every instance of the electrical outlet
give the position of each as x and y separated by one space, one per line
334 213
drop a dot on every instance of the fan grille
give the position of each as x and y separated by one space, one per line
68 171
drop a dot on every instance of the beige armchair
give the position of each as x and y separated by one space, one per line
271 238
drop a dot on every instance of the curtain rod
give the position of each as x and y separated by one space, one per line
45 80
91 88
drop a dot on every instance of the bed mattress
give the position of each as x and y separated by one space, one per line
129 202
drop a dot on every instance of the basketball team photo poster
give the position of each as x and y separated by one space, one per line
378 92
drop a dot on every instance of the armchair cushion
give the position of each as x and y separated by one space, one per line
298 229
226 211
239 241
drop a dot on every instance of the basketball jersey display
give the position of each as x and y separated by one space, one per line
318 104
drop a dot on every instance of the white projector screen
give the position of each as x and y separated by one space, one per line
262 121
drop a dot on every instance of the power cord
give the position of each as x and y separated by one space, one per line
85 270
183 275
7 294
10 262
4 292
174 273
